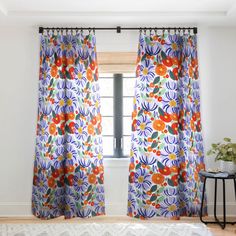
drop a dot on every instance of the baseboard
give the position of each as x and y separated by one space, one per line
230 209
18 209
15 209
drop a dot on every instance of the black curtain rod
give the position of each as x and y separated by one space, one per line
118 28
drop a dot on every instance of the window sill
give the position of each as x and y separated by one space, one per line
116 162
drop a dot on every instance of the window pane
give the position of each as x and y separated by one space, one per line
126 145
106 87
107 125
127 106
127 122
108 146
128 86
107 106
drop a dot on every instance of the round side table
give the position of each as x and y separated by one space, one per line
216 177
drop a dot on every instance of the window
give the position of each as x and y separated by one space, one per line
117 91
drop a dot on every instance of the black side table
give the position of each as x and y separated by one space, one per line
210 175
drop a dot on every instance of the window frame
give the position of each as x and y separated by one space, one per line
118 133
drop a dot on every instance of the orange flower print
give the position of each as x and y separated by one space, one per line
52 128
92 65
92 178
89 74
174 179
54 71
69 168
58 61
174 169
56 119
176 72
161 69
157 178
158 125
174 116
51 182
166 117
94 120
70 116
70 61
90 129
174 127
168 62
96 170
55 173
165 170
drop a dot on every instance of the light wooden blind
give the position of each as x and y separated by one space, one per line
117 62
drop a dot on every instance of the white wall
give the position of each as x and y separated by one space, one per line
19 50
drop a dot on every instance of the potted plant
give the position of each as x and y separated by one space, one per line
225 152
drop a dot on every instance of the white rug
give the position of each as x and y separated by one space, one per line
104 229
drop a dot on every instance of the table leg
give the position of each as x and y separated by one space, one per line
202 202
215 199
235 187
224 210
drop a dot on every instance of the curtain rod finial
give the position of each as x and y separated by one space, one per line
40 30
195 30
118 29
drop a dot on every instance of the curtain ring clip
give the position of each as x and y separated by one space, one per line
155 30
163 32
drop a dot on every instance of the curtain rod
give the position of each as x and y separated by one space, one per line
118 28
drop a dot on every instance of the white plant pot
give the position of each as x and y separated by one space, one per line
228 166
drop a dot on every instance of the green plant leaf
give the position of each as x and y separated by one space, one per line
227 140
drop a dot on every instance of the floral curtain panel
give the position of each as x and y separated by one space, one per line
68 167
167 147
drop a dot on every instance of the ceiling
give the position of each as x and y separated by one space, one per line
119 12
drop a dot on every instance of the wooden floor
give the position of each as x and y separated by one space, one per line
230 230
